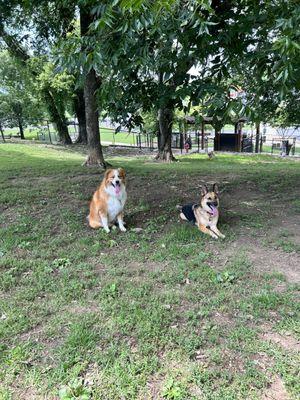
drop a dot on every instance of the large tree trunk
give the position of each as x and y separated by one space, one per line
95 155
17 107
91 84
165 120
257 136
79 108
56 118
21 130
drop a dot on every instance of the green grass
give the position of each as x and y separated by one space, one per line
107 135
121 137
165 312
268 148
29 133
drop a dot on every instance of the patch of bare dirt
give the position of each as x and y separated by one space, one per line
270 260
234 361
286 341
264 259
154 388
280 287
223 319
23 392
285 228
262 361
44 358
276 391
35 333
9 215
78 309
146 266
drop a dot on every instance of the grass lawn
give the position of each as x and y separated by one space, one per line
121 137
163 313
28 133
105 133
268 149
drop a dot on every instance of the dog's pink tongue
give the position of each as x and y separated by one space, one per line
214 211
118 189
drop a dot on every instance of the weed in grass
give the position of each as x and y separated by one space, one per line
174 390
225 278
76 389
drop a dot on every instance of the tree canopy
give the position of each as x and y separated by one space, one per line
128 58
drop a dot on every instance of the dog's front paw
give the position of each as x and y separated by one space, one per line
222 236
107 230
123 229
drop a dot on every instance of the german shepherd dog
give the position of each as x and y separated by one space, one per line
206 214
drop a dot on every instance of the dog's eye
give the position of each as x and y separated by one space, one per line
209 198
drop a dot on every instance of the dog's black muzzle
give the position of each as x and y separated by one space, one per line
117 183
213 203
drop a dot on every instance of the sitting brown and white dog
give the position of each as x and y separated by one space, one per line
108 201
206 214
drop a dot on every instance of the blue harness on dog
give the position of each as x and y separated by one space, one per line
188 212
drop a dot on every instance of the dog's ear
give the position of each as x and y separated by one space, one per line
107 172
215 188
122 173
204 190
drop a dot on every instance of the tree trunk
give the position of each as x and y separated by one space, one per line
21 130
79 108
2 133
261 144
18 111
165 119
95 155
56 118
257 136
91 84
